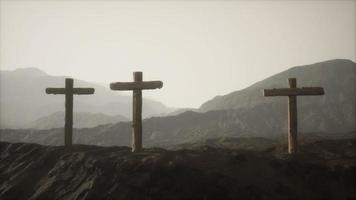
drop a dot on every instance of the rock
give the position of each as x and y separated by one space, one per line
30 171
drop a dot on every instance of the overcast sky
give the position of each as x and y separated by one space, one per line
199 49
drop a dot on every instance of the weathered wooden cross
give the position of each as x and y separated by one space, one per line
69 91
137 86
292 94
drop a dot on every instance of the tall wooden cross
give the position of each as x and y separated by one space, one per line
69 91
137 86
292 94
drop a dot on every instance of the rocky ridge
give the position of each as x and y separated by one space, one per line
322 170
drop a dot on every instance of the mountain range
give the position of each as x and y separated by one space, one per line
23 99
244 113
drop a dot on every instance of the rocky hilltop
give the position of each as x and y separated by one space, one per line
322 170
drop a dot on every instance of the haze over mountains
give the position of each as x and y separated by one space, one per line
23 100
80 120
244 113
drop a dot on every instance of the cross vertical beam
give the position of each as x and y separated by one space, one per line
292 119
137 115
68 126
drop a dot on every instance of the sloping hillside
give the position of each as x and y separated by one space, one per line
23 98
323 170
333 112
338 77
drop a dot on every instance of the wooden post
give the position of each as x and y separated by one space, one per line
68 112
292 119
137 115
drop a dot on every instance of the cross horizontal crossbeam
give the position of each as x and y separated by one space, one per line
144 85
305 91
77 91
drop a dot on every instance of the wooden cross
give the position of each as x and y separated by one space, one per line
292 94
137 86
69 91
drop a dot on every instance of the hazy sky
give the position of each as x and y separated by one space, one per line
199 49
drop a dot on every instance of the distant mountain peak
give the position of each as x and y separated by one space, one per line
338 61
32 71
333 63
